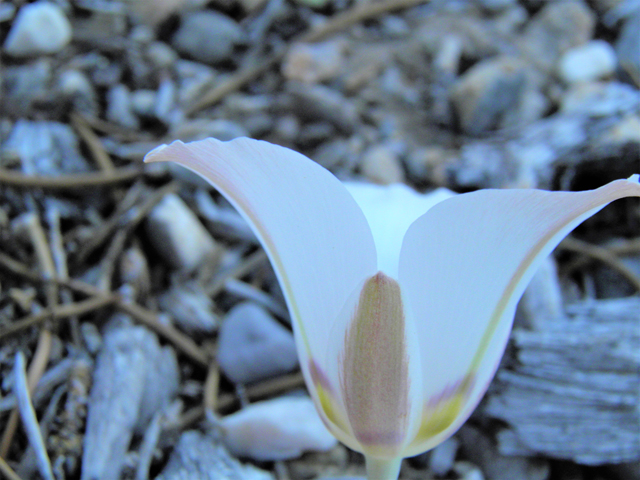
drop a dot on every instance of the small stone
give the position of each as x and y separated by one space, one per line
486 92
313 62
557 27
468 471
628 47
207 36
278 429
542 300
120 108
197 456
25 85
76 86
143 102
381 165
600 99
627 130
497 5
39 28
178 235
588 62
91 336
252 346
443 456
429 163
190 307
318 102
201 128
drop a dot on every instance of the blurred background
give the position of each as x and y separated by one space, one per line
165 317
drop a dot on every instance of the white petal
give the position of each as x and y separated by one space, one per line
316 237
463 266
390 211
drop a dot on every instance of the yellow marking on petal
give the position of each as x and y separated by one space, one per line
330 407
439 419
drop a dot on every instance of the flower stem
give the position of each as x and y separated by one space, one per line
382 469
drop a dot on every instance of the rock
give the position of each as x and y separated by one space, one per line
600 99
39 28
161 55
223 221
277 429
486 92
443 456
252 346
198 129
143 102
381 165
120 107
591 61
77 88
317 102
207 36
46 148
627 47
313 62
497 5
197 456
542 300
178 235
467 471
190 307
481 450
24 86
557 27
134 378
429 163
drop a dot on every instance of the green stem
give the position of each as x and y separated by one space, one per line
381 469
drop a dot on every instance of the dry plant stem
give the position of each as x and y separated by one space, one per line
98 152
358 13
378 469
70 181
149 442
249 264
212 382
29 419
604 256
7 471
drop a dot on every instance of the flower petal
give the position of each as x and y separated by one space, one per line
390 211
315 235
464 266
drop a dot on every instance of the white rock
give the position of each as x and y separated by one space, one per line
381 165
277 429
313 62
588 62
39 28
178 235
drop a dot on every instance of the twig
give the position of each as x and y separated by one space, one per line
98 152
603 255
29 419
72 181
212 383
359 12
7 471
249 264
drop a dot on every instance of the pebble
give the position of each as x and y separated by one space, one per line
134 378
46 148
190 307
198 456
143 102
557 27
201 128
253 346
313 62
443 456
429 163
318 102
76 86
120 107
24 85
468 471
497 5
161 55
39 28
381 165
588 62
600 99
207 36
542 300
278 429
486 92
178 235
628 47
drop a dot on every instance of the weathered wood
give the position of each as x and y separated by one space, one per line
575 393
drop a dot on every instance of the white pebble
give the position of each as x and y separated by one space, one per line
591 61
39 28
178 235
277 429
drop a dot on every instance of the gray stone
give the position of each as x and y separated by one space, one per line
442 457
381 165
318 102
25 85
486 92
253 346
46 148
207 36
197 456
628 47
134 378
313 62
557 27
190 307
39 28
77 88
178 235
497 5
120 107
600 99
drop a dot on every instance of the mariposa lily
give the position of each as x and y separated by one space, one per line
399 340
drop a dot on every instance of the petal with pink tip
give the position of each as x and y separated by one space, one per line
463 266
315 235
